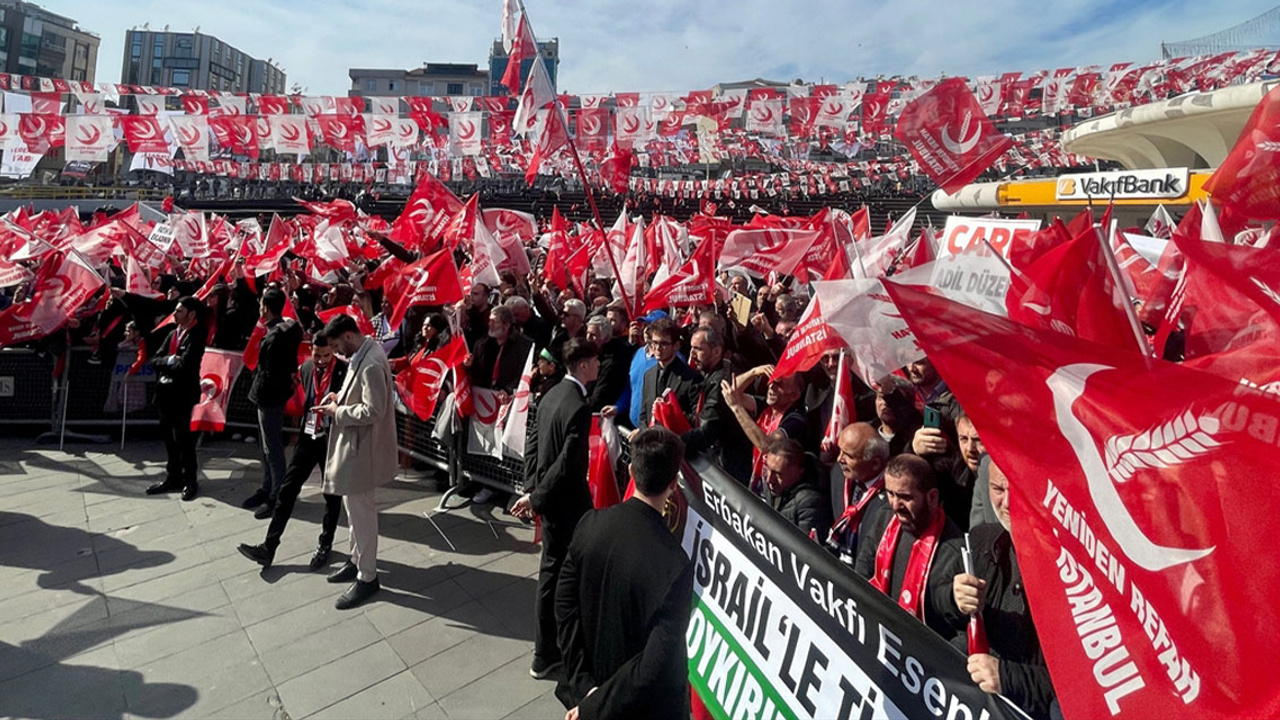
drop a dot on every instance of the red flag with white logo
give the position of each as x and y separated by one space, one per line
949 135
1142 496
218 371
433 280
600 475
811 339
762 251
426 215
523 47
692 284
419 384
42 133
62 286
1248 181
842 412
143 133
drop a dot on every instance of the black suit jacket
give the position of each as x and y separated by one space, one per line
622 609
683 380
277 363
179 383
307 376
510 362
615 373
715 428
559 491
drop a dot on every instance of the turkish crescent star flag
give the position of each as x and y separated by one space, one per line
218 371
1248 181
419 384
433 280
949 135
1143 498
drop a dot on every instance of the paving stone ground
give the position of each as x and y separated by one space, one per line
114 604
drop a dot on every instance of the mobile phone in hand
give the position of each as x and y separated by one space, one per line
932 418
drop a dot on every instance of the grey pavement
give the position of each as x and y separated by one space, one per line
114 604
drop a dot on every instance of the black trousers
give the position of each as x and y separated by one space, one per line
179 443
555 548
309 453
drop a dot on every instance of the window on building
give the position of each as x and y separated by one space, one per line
371 85
476 90
392 85
181 78
79 74
453 89
135 50
182 46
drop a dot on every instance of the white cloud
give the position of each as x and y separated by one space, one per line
676 45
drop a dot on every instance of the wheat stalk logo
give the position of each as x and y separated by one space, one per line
1177 441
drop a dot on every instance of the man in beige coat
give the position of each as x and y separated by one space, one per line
362 452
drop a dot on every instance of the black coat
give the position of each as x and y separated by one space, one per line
558 478
178 383
622 609
510 362
806 506
716 430
615 373
940 612
683 380
307 376
1024 676
277 363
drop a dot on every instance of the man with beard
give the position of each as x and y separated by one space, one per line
782 415
1015 667
497 360
714 427
911 549
956 470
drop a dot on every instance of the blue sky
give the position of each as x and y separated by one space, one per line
677 45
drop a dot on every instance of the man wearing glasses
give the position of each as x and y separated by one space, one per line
671 373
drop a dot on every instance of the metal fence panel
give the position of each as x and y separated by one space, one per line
26 386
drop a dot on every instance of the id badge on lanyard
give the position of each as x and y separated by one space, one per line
311 425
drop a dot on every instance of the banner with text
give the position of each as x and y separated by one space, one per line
973 260
780 629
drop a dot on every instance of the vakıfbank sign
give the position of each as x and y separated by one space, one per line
1163 184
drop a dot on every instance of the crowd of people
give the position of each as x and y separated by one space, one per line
892 495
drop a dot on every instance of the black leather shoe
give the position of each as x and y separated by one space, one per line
161 488
264 512
258 553
541 669
254 500
357 594
346 573
319 558
190 492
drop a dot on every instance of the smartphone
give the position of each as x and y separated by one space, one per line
932 418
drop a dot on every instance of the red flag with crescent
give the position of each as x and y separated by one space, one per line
949 135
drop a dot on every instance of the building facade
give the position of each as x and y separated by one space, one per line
430 80
549 52
34 41
197 61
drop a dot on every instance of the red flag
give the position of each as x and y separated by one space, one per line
218 371
949 135
340 131
362 322
600 477
433 280
1248 181
874 106
41 133
426 215
1071 290
841 406
137 281
556 267
811 339
1139 513
62 286
762 251
693 284
143 133
668 413
615 171
419 384
522 49
554 135
592 130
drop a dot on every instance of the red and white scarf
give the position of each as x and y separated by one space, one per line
913 582
853 513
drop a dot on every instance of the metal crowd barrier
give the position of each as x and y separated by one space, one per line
26 387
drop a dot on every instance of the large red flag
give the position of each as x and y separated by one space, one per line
762 251
693 284
522 49
61 287
218 371
419 384
600 476
426 215
1142 498
143 133
433 280
1248 181
949 135
811 339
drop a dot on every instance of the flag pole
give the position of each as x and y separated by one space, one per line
582 173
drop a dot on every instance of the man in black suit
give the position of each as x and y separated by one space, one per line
625 596
271 389
671 373
177 392
321 374
715 429
558 487
497 360
615 363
